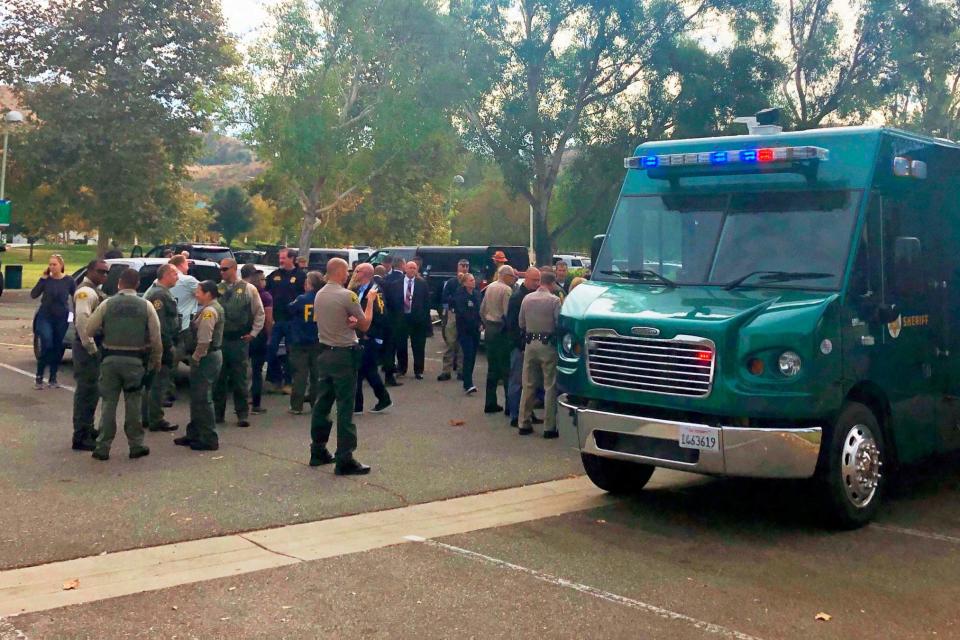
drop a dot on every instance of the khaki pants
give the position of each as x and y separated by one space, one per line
539 369
453 353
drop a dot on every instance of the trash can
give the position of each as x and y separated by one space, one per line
13 276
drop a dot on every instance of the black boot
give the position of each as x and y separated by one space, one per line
319 456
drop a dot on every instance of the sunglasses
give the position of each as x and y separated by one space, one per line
225 268
102 272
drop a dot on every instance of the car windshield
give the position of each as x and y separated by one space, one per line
213 255
794 239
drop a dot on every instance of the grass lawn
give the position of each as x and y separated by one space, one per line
74 256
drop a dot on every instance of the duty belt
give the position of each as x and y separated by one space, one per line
545 338
327 347
123 353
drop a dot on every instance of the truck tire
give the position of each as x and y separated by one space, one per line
616 476
851 470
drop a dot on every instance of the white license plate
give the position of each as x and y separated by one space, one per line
700 438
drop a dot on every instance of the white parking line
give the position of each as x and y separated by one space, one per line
32 376
916 533
702 625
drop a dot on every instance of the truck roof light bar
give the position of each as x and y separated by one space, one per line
722 158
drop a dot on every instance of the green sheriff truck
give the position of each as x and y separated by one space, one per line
772 305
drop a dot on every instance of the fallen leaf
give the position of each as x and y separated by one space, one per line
457 423
232 589
286 606
174 607
601 522
217 458
224 619
823 617
69 585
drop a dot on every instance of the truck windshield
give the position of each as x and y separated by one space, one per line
797 239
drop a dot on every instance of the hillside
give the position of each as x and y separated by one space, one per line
206 179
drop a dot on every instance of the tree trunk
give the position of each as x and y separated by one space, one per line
541 236
103 242
306 232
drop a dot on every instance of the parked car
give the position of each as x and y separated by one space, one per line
378 256
249 256
319 257
211 252
199 269
573 260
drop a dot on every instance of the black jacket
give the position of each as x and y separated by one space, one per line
450 287
467 307
513 316
378 325
420 305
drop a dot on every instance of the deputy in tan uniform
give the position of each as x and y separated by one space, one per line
132 346
339 315
539 313
493 312
86 368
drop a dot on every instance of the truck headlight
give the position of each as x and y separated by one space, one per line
569 347
789 363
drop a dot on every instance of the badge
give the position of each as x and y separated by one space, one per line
293 279
277 278
81 295
158 304
894 328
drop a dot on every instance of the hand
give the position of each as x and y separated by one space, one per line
372 293
246 338
154 365
91 349
352 322
194 359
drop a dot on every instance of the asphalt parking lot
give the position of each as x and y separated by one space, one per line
690 557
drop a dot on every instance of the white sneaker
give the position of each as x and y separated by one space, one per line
470 391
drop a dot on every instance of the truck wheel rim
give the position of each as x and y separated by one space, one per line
860 465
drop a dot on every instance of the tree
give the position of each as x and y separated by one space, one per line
490 214
340 89
116 90
925 88
543 66
233 213
832 74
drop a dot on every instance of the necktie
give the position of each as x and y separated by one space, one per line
408 301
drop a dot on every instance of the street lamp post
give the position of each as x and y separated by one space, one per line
12 118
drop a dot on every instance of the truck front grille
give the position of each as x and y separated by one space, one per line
682 366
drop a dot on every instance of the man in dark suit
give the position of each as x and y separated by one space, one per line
393 299
411 295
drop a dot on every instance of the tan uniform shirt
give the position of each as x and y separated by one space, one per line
153 328
496 298
86 299
539 312
205 322
332 307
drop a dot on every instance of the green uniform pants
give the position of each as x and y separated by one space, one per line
306 366
337 383
234 378
154 395
539 370
203 376
86 373
120 374
498 361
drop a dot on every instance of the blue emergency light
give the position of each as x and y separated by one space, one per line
738 156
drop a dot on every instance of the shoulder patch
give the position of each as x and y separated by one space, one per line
158 304
207 315
277 278
353 298
81 295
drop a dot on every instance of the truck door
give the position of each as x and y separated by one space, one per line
906 350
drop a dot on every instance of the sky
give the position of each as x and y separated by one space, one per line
243 16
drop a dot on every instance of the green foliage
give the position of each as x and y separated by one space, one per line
341 89
232 213
219 149
489 213
116 89
544 69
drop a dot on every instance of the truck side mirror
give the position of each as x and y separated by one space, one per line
907 277
595 248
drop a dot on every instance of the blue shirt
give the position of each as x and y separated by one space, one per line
303 329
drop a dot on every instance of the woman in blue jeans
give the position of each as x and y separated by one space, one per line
55 290
466 304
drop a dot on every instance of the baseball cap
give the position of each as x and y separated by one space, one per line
499 256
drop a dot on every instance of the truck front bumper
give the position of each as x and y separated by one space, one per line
746 452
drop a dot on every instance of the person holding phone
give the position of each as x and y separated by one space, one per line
50 324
